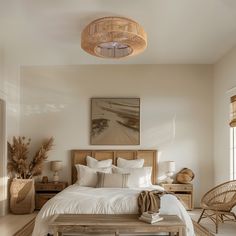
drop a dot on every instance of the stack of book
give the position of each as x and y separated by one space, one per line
150 217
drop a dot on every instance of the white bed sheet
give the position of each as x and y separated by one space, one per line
85 200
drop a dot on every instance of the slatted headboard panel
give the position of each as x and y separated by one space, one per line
149 156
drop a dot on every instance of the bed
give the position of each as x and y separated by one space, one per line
89 200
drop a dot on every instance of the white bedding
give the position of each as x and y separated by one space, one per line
85 200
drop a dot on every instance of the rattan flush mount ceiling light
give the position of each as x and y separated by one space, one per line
113 37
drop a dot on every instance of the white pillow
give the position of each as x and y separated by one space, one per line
93 163
87 176
139 177
123 163
106 180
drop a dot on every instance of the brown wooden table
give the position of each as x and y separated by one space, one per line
114 224
45 191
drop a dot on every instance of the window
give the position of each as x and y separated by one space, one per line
233 153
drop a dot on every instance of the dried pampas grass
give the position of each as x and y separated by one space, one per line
18 164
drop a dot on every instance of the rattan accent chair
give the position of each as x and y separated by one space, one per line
217 203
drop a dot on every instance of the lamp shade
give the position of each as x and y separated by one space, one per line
232 122
56 165
170 166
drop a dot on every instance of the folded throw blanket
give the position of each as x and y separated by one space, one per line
150 201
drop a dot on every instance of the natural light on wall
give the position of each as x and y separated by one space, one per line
3 177
233 137
232 153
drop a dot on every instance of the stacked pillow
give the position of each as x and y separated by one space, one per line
87 177
93 163
123 163
127 173
115 180
139 177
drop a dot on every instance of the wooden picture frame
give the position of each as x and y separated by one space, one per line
115 121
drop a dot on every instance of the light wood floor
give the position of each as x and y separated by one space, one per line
11 224
226 229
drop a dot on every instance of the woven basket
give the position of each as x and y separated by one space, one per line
22 196
188 172
185 176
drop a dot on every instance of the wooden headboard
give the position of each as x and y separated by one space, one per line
149 156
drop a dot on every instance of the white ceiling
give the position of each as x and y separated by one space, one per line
179 31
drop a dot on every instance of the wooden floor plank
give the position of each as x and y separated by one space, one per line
11 224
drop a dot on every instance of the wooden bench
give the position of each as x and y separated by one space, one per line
114 224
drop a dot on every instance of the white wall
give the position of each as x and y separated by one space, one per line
9 96
224 81
3 179
176 110
2 138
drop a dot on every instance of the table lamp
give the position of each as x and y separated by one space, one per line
55 167
170 169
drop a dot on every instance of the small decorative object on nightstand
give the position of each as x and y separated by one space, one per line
45 191
183 191
55 167
185 176
44 179
170 169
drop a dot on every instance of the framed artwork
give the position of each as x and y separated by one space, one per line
115 121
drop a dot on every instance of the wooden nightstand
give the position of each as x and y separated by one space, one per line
183 191
45 191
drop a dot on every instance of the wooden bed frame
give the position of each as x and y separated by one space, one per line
149 156
115 224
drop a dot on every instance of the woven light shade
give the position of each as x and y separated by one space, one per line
233 112
113 37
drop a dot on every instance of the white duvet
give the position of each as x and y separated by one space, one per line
85 200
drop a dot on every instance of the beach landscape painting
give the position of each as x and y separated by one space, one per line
115 121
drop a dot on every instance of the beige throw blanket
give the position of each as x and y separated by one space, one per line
150 200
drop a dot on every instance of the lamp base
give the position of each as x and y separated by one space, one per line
169 180
55 177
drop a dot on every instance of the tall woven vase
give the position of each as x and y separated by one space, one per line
22 196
